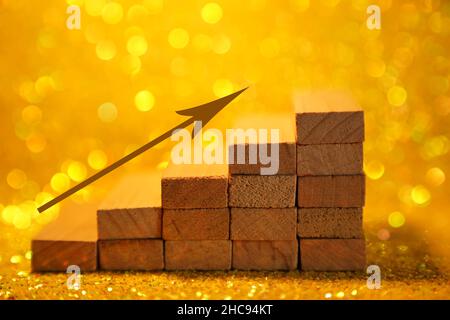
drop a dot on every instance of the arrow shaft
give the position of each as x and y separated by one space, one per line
113 166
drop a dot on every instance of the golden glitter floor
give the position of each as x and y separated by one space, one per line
408 272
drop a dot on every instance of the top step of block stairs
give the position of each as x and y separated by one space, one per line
218 217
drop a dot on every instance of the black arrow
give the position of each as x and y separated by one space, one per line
204 113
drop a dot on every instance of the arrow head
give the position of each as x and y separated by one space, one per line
207 111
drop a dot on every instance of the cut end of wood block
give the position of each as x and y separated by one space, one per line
265 255
246 159
137 223
332 254
330 159
263 224
254 191
57 256
133 254
331 191
340 223
198 255
196 224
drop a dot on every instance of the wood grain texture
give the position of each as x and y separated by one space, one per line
263 224
282 123
132 210
340 223
254 191
331 191
329 159
332 254
195 187
133 254
198 255
69 240
265 255
328 117
196 224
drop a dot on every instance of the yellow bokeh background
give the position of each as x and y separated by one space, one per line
73 101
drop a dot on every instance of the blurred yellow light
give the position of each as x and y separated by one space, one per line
269 47
211 13
437 146
221 44
49 214
397 96
374 169
222 87
375 68
60 182
420 195
16 179
301 5
22 220
163 165
9 212
94 7
16 259
435 176
340 294
77 171
178 38
31 115
97 159
28 255
137 46
137 14
112 13
154 6
44 86
396 219
144 100
28 92
131 64
106 50
29 190
36 143
202 43
178 66
107 112
94 32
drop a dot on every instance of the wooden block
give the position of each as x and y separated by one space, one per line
331 191
263 224
328 117
332 254
284 123
196 224
133 254
330 159
133 209
69 240
345 223
195 186
253 191
265 255
198 255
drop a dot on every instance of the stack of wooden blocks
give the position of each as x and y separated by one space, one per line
331 183
307 216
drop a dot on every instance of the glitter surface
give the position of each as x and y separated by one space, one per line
74 101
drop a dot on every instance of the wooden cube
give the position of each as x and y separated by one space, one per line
132 210
330 159
69 240
331 191
344 223
195 187
332 254
325 117
196 224
131 254
263 224
265 255
198 255
254 191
